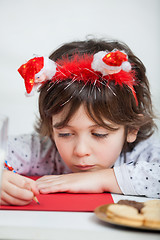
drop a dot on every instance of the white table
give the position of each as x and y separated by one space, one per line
66 225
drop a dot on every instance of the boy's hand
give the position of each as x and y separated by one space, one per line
16 189
84 182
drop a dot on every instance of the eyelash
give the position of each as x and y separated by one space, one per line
97 135
100 135
64 134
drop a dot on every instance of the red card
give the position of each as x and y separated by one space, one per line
73 202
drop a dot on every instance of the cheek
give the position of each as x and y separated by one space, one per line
108 156
64 149
109 153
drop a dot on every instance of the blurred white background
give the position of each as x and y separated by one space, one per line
39 26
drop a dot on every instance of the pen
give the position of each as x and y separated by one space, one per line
10 168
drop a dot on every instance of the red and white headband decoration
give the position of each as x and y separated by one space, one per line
102 66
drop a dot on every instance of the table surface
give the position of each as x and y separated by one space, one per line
67 225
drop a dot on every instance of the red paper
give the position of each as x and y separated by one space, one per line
73 202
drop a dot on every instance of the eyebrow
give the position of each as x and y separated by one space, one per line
110 126
58 125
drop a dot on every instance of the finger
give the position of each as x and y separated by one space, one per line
27 186
50 183
17 179
53 188
48 178
44 179
2 202
10 200
17 192
20 181
31 185
51 179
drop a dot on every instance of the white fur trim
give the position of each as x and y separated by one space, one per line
100 66
49 69
126 66
97 63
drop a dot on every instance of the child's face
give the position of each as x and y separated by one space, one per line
84 145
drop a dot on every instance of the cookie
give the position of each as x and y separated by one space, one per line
151 213
152 203
148 209
124 214
136 214
152 219
135 204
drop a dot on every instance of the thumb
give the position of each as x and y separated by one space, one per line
31 186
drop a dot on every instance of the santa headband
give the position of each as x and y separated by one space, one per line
98 68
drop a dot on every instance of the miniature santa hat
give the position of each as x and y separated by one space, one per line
37 70
111 62
115 64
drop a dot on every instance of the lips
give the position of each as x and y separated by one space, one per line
84 167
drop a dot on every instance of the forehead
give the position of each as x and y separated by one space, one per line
79 115
79 119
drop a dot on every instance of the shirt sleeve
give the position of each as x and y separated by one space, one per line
19 153
32 155
140 175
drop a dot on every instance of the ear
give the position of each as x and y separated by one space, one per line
132 135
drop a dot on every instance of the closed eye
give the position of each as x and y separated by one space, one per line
100 135
64 134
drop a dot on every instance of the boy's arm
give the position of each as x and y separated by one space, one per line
84 182
140 175
142 178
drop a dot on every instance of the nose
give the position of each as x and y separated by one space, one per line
81 147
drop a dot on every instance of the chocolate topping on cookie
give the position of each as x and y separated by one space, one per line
137 205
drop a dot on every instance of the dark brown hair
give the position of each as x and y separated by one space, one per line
115 103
